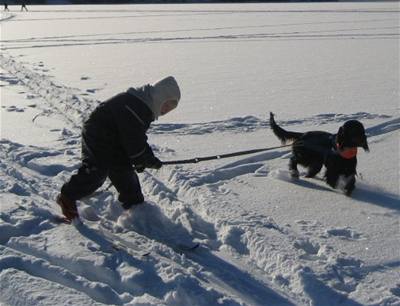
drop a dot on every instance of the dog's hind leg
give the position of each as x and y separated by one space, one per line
294 172
313 169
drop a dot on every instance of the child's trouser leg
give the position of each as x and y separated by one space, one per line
88 179
126 181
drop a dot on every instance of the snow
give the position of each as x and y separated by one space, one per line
265 239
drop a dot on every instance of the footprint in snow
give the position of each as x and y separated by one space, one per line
280 174
311 228
262 171
8 80
13 108
311 250
231 237
344 233
396 290
18 190
307 246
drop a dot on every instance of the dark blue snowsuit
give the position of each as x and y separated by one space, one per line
113 139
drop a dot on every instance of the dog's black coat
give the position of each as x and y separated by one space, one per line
315 149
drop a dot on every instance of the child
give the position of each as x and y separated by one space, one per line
113 139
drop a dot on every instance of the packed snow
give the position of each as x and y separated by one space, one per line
264 238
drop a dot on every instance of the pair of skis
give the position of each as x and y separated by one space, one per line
117 243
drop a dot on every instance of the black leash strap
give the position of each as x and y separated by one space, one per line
206 158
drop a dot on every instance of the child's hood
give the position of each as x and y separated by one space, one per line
155 95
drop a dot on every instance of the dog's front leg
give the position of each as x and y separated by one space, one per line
331 177
332 164
314 168
294 172
350 185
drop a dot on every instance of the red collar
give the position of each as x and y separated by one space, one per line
347 153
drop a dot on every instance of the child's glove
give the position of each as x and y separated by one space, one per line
153 163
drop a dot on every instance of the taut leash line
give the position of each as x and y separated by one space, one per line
206 158
221 156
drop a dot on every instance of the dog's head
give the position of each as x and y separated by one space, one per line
351 135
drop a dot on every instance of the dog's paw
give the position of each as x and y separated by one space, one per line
347 184
348 191
294 174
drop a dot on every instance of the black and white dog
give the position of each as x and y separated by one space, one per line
337 152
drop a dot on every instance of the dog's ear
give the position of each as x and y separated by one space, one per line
340 137
365 145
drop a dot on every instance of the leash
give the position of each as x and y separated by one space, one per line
221 156
196 160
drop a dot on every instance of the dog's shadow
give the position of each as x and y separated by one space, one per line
371 195
362 193
302 181
305 182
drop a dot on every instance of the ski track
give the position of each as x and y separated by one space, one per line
62 99
352 31
6 17
262 241
283 259
391 34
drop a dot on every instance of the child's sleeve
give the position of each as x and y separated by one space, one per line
132 134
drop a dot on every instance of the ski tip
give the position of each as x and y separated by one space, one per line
195 246
60 219
187 248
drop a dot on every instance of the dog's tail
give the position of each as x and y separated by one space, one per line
283 135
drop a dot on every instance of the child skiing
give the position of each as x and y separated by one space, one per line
113 139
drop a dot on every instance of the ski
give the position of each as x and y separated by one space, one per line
117 243
183 248
118 246
120 243
59 219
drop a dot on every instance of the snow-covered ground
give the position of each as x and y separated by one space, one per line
264 238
